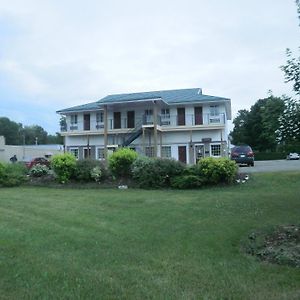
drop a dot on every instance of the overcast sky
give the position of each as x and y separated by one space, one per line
59 53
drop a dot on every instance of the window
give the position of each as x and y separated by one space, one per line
149 151
166 151
215 150
214 110
75 152
100 153
148 116
74 119
165 113
165 116
99 120
100 117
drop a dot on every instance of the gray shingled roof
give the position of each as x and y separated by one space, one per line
169 97
85 107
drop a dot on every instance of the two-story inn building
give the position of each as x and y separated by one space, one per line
182 124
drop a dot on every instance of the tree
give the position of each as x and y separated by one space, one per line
292 68
288 133
16 134
257 127
240 132
292 71
35 134
11 131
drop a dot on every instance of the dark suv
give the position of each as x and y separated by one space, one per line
243 155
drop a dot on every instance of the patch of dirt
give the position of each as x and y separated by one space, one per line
280 245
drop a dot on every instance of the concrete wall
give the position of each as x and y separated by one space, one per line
27 152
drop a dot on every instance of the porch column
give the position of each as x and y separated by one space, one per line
143 141
155 128
105 132
160 135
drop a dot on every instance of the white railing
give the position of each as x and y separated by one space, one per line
163 120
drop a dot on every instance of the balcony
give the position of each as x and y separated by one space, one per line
191 120
164 121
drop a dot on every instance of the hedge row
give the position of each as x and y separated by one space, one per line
270 155
126 165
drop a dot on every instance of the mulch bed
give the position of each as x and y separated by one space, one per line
280 245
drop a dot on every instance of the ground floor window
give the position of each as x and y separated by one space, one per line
166 152
149 151
100 153
75 152
215 150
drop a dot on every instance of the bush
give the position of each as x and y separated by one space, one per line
84 168
39 171
2 171
64 166
216 170
12 174
96 174
186 182
120 162
156 172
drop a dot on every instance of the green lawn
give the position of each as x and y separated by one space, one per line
138 244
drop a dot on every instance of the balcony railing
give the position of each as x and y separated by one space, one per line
163 120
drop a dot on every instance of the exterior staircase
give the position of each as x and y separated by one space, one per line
133 134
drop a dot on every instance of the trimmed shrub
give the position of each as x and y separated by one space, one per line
84 168
120 162
156 172
39 171
64 166
216 170
186 182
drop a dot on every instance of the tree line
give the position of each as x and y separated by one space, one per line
273 123
17 134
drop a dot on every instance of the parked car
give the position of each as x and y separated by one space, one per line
37 161
243 155
293 156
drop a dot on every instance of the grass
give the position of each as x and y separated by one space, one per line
139 244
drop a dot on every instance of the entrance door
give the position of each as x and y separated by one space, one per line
181 116
199 152
117 120
130 119
198 115
87 152
182 154
86 122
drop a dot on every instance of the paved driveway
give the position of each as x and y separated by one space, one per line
272 166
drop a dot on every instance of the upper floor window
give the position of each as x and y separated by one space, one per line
165 113
214 110
148 116
100 117
73 119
